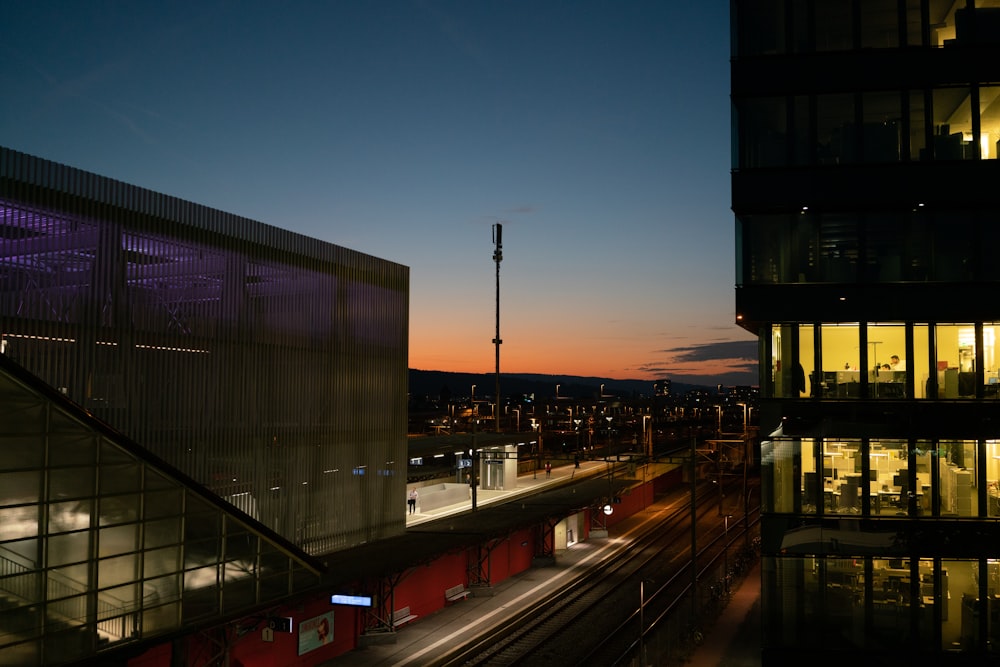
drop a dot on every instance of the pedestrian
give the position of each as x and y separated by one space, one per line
548 469
412 501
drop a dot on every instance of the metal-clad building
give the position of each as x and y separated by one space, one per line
269 367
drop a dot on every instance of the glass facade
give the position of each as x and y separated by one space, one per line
269 367
100 547
864 135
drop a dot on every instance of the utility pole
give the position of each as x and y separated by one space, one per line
497 257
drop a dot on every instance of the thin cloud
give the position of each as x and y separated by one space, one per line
743 350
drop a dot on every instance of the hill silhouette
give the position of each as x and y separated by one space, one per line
432 384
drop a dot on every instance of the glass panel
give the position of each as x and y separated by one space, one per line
118 539
836 130
779 480
918 126
989 122
833 25
72 449
839 245
762 27
845 597
763 139
919 365
991 361
880 24
70 483
956 361
891 597
163 503
70 516
117 571
841 377
942 21
162 532
118 509
812 480
886 458
957 478
21 453
68 548
960 594
993 595
161 561
18 522
768 243
885 242
807 358
842 483
886 353
20 487
788 374
158 619
119 478
993 477
803 146
953 125
881 134
923 457
914 34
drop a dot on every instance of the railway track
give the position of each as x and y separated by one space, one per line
595 618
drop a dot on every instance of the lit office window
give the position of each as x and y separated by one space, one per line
807 358
991 361
956 478
887 361
993 478
953 138
885 483
788 374
842 483
845 602
959 582
956 360
841 375
890 603
779 459
919 365
993 593
812 479
989 122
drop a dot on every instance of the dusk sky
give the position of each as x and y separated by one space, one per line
596 132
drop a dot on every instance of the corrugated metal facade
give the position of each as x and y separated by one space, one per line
268 366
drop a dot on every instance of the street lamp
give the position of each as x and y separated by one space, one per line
538 448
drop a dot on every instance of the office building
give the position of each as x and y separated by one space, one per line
196 405
865 163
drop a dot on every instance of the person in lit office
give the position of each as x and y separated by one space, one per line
895 364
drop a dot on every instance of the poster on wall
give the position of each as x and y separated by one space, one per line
315 632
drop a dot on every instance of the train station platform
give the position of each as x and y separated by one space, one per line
728 642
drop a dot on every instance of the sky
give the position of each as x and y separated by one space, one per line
596 132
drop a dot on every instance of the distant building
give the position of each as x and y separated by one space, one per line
194 405
866 164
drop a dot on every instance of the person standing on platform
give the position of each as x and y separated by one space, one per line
412 501
548 469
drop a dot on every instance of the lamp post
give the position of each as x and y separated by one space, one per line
535 427
609 436
474 455
725 554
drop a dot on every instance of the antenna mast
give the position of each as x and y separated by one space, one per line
497 257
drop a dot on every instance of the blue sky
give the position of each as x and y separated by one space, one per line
597 132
